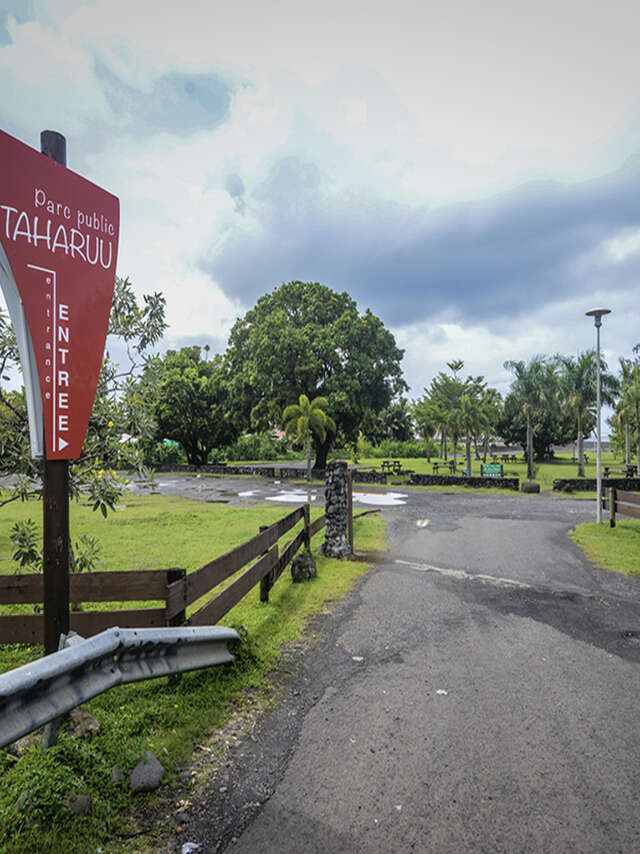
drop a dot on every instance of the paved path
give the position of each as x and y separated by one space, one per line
477 692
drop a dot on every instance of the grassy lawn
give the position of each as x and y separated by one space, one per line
615 549
162 715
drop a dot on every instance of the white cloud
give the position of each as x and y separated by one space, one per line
416 103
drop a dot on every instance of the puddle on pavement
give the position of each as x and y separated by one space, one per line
387 499
248 493
293 497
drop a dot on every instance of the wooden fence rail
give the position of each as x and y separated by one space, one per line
616 501
172 586
146 585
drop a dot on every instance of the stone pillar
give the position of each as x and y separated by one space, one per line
336 542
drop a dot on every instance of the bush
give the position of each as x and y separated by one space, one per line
256 446
398 450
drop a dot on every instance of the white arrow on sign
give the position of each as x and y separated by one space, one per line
62 444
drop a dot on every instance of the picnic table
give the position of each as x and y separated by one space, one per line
391 466
627 471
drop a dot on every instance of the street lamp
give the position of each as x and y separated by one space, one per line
597 314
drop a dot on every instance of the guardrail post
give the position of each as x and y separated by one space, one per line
612 506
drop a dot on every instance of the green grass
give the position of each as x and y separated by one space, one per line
546 472
162 715
616 549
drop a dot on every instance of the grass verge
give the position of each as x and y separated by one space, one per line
162 715
616 549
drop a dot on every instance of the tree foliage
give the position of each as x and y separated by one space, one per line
192 402
304 338
111 416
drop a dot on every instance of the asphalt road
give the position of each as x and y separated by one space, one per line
477 692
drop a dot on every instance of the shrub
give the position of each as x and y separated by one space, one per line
257 446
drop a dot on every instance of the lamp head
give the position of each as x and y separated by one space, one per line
597 314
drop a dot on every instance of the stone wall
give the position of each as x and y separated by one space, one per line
336 542
588 484
452 480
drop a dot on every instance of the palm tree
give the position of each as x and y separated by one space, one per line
426 416
631 406
307 418
578 380
623 414
533 386
470 417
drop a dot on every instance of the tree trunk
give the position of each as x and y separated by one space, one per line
443 444
485 450
580 449
468 448
308 456
638 449
627 444
428 449
322 451
529 449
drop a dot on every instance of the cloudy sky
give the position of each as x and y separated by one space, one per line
469 171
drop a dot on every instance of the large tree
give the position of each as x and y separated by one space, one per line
304 338
192 403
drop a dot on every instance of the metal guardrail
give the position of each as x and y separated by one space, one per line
45 690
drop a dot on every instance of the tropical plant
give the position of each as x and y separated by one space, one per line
578 386
306 419
534 388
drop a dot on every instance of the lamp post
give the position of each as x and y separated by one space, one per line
597 314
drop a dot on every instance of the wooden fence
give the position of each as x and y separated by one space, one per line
623 503
172 586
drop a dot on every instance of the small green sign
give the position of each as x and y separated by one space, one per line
492 470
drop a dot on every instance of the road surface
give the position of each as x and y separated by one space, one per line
477 692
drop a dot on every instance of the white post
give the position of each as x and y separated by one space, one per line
598 434
597 314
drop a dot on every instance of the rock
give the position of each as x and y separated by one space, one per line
17 748
303 567
116 775
530 486
80 805
147 774
83 723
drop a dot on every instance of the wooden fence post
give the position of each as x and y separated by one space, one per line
612 506
265 582
350 508
306 523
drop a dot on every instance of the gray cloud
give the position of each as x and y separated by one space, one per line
489 259
234 185
20 10
178 103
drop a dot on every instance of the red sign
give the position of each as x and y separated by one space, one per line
59 233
